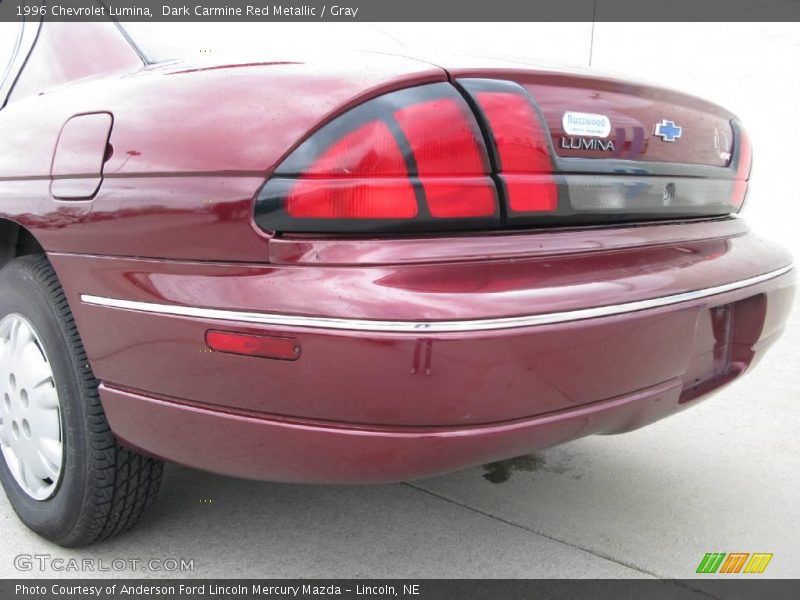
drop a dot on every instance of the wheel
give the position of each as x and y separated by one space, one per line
63 471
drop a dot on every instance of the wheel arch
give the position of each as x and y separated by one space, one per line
15 241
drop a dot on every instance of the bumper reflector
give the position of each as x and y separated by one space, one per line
263 346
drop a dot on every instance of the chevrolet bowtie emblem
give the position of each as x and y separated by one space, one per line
668 131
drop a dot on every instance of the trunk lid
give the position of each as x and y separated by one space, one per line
551 148
643 123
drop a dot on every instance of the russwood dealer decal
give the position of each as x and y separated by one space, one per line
587 124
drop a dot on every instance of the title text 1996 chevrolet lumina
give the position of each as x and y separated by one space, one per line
356 268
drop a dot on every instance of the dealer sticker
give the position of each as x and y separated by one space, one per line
586 124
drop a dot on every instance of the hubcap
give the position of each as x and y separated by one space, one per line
30 413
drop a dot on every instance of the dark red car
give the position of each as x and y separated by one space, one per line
365 269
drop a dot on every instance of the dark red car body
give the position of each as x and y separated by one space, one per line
610 327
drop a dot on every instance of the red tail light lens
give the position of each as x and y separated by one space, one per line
528 194
443 136
460 197
445 144
521 145
358 199
410 160
368 151
743 166
361 176
517 132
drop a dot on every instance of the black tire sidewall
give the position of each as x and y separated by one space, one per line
23 293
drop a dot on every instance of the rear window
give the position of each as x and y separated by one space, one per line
165 41
9 37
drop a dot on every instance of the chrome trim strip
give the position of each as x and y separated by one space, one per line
425 326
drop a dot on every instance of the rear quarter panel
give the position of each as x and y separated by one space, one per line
190 146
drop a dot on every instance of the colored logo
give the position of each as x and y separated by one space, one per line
735 562
586 124
668 131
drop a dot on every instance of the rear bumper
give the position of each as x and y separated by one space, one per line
410 369
256 447
429 327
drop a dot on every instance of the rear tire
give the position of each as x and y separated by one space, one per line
97 489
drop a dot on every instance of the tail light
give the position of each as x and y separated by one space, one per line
744 160
409 160
479 155
520 143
